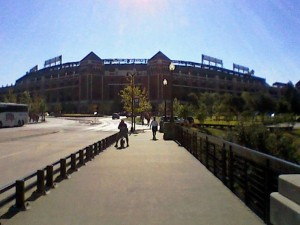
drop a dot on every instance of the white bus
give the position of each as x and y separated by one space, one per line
12 114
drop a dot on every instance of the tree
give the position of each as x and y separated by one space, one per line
143 102
10 96
187 110
57 109
193 99
283 106
42 107
249 102
264 103
25 98
234 104
38 106
209 99
283 145
177 107
201 113
292 96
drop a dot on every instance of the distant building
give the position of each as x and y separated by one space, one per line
279 85
93 82
298 85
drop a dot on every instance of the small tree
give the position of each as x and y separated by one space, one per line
10 96
201 113
25 98
128 94
38 106
264 103
57 109
177 107
42 108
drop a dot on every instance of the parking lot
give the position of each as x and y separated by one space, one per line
33 146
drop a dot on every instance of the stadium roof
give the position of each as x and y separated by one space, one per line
91 56
160 56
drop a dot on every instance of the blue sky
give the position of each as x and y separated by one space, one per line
263 35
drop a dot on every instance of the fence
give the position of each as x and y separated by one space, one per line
41 181
249 174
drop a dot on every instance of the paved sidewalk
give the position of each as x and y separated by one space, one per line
150 182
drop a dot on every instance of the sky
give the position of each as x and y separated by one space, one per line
263 35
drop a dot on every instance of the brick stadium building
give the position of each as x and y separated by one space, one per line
93 82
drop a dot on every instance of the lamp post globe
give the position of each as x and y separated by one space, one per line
165 82
171 67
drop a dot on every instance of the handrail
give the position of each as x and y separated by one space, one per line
252 154
249 174
17 190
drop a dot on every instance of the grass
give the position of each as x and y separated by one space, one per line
217 132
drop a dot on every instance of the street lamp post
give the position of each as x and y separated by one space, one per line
169 126
171 68
132 99
165 83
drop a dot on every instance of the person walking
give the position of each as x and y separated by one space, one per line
154 126
123 133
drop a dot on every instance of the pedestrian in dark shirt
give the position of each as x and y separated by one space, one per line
123 133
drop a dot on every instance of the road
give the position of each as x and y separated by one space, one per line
26 149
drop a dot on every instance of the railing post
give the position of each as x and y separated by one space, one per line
100 146
179 134
246 182
224 164
63 168
81 157
267 192
49 177
93 148
190 143
196 145
184 140
104 143
231 163
96 148
215 159
110 140
206 151
20 195
90 149
73 162
41 189
201 149
88 153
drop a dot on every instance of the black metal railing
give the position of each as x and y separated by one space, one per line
249 174
18 193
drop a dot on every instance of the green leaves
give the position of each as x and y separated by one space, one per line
139 98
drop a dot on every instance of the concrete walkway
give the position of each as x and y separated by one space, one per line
150 182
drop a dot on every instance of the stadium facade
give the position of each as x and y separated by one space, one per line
92 82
